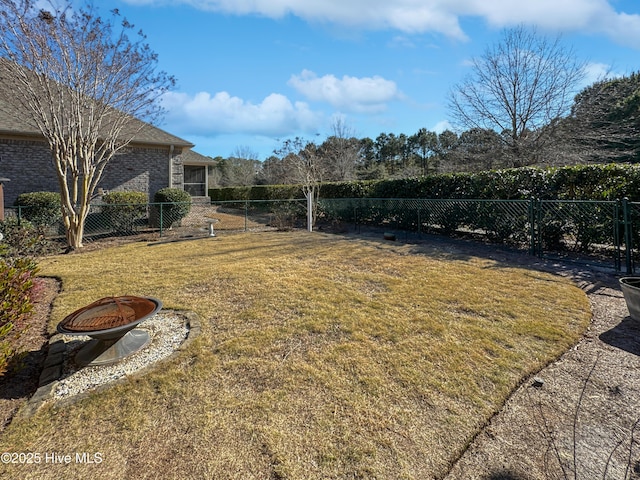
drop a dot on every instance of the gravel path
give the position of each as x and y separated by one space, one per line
578 418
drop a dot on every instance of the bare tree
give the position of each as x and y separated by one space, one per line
305 168
245 165
516 88
83 83
341 152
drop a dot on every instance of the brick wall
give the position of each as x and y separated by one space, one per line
28 166
143 170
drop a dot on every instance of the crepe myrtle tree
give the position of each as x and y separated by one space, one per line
85 83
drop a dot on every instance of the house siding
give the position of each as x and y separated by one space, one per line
28 166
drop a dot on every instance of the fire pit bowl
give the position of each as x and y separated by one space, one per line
110 322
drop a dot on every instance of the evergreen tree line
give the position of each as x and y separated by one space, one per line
603 126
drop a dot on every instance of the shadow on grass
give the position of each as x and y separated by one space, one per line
504 475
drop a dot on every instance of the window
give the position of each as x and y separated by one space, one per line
195 180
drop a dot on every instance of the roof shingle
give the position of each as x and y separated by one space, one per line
14 122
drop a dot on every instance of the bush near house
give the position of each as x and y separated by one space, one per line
175 204
123 210
40 208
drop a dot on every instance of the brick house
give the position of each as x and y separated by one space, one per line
154 160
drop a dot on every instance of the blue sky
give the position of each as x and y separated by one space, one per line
252 73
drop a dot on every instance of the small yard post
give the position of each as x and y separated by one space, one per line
2 180
310 211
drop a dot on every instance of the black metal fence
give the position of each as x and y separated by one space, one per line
169 219
605 233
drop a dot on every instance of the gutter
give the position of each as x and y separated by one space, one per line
171 165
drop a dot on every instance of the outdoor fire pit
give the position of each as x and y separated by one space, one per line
110 322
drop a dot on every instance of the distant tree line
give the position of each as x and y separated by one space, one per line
516 108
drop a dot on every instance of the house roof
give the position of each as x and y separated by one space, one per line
191 157
13 122
152 135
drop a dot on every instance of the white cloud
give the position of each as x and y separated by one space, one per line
440 16
349 94
587 16
595 72
221 113
441 126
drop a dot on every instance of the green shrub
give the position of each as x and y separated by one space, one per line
123 210
581 182
176 204
40 208
256 192
22 239
16 284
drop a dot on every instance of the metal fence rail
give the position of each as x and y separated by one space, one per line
606 232
602 232
169 219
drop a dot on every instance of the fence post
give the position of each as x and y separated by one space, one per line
246 215
310 196
161 220
628 235
2 199
532 227
356 226
539 226
616 235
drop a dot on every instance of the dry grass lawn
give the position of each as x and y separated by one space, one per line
320 357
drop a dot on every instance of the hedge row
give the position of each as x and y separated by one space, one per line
256 192
582 182
121 211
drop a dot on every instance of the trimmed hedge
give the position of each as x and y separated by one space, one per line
256 192
176 205
123 210
40 208
581 182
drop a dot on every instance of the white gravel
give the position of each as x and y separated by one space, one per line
167 331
